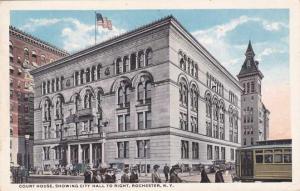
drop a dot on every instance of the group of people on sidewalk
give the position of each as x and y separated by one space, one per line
109 175
174 178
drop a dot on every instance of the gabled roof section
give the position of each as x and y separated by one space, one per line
250 66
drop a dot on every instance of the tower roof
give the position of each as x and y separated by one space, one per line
250 66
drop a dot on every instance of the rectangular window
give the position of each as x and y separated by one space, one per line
259 158
140 121
223 153
143 148
148 119
127 122
120 123
120 150
184 149
217 157
57 131
287 156
209 152
268 156
195 148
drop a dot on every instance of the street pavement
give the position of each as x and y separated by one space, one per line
194 177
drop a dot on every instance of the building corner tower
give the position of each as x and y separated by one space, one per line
255 115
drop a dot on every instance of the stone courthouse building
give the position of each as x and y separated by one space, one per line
151 96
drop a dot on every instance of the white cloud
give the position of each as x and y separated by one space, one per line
273 26
76 35
214 39
33 24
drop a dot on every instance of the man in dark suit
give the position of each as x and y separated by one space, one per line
166 172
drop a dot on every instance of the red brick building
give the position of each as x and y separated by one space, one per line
25 53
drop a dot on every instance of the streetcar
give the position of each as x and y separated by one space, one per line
266 161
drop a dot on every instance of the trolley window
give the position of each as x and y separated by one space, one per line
287 156
278 156
268 157
259 156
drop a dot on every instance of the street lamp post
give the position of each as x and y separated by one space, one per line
27 157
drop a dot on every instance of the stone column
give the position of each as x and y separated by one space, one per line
69 155
79 154
91 155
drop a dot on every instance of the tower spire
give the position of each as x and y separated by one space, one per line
249 52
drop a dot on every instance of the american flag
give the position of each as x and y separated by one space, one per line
103 21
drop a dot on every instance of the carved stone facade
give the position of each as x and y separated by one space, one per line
148 109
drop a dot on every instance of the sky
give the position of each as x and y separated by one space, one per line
223 32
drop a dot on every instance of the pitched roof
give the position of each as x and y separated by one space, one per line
250 66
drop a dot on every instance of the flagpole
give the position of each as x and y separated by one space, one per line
95 27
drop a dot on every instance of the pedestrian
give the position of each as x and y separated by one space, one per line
125 177
204 177
166 172
134 178
97 178
88 175
110 176
155 175
174 178
219 175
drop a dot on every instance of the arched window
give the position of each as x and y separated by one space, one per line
183 92
127 96
148 91
140 92
34 56
182 63
81 76
77 103
192 68
208 105
87 75
126 64
118 66
133 61
87 100
194 98
58 107
148 57
99 99
47 116
196 70
26 53
76 78
120 96
98 71
141 59
93 73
